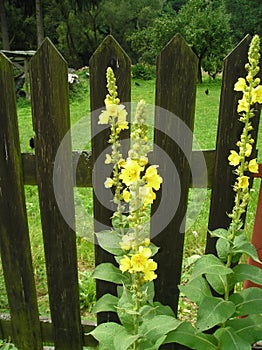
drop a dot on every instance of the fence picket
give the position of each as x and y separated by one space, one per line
14 235
109 53
50 109
175 93
174 120
228 133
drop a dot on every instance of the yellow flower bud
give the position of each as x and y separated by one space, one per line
109 182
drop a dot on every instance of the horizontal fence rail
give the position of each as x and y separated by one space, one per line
83 164
176 77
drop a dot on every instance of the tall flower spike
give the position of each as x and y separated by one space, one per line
251 94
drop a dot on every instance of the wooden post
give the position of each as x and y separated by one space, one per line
175 94
229 130
108 54
14 235
50 109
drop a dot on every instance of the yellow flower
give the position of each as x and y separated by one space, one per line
147 252
147 195
240 85
243 182
243 105
126 195
109 182
125 264
152 178
248 150
253 166
138 262
257 94
234 158
104 117
130 172
112 109
149 274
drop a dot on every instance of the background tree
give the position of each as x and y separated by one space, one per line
39 22
205 26
245 18
4 27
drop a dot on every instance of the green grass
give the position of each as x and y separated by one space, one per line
205 133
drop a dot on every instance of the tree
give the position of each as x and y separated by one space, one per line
39 22
4 27
245 18
205 26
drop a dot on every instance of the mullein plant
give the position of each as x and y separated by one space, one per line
228 320
232 318
144 324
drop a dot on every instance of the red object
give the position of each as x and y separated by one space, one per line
257 231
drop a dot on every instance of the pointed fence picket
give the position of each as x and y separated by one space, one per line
174 121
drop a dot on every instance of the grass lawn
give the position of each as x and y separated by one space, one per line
205 133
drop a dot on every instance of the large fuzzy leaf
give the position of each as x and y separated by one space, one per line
229 340
248 328
242 272
158 326
210 264
109 272
109 241
186 335
107 302
196 289
213 311
248 301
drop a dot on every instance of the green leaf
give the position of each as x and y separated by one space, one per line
210 264
242 272
154 248
241 245
248 328
213 311
109 272
109 241
105 334
219 232
196 289
125 309
149 289
186 335
163 309
223 248
158 326
107 302
229 340
248 301
217 282
123 339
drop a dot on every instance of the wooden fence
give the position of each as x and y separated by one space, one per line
175 92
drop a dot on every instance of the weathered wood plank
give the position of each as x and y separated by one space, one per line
229 130
109 53
47 330
50 110
14 235
83 165
175 94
